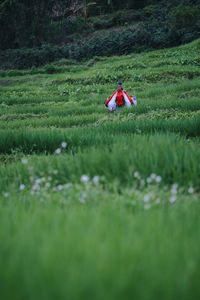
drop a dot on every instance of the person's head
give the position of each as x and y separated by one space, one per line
119 86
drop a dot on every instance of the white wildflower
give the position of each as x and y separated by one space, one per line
22 187
64 145
158 179
136 175
49 178
173 191
47 184
58 151
24 161
60 187
85 178
95 179
153 176
172 199
146 198
55 172
37 181
5 194
191 190
149 180
36 187
175 186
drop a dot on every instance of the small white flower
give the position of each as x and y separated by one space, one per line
60 187
47 184
146 198
58 151
95 179
191 190
158 179
64 145
36 187
85 178
24 161
149 180
22 187
172 199
37 181
153 176
136 175
173 191
49 178
175 186
55 172
5 194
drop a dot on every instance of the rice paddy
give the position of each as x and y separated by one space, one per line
101 205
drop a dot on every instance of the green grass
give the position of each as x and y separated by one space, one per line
114 214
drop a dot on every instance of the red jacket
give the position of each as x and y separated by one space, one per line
120 98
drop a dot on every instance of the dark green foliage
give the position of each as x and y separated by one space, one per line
184 16
155 26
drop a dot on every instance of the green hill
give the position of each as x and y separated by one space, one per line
34 35
97 204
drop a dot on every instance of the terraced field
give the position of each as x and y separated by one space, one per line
101 205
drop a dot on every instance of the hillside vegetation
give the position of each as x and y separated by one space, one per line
100 205
35 33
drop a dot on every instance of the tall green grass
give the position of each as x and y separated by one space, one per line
45 140
166 155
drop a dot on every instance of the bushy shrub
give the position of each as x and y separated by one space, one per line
50 69
184 16
73 25
148 11
101 23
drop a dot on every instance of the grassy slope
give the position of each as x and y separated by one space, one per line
120 237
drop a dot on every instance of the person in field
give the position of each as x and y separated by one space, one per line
119 99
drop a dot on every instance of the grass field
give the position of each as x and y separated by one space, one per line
100 205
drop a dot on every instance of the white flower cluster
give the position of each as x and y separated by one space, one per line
63 146
153 178
86 179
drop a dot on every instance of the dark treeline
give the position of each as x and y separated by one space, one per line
36 32
28 23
